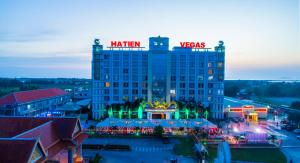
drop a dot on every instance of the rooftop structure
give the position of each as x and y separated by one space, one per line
32 139
32 102
244 108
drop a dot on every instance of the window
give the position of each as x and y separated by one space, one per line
116 98
116 91
125 98
116 84
182 85
191 92
144 91
173 78
116 77
125 70
134 91
106 56
125 84
172 91
200 77
191 85
125 91
182 78
144 85
106 98
210 77
200 92
221 77
209 98
200 85
145 77
220 64
182 91
107 84
106 91
135 84
210 71
209 64
36 154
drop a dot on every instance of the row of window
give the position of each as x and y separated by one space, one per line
125 84
125 91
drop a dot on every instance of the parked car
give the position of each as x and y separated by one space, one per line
235 120
290 127
284 121
241 119
297 131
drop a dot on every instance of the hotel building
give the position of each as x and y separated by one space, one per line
158 74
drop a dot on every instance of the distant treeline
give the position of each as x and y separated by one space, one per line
262 88
8 85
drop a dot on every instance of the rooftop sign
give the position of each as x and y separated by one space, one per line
196 45
128 44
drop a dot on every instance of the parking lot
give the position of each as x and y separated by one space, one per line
142 150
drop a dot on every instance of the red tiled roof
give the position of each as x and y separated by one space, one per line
12 126
16 150
32 95
47 133
54 134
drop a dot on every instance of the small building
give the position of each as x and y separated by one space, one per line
80 93
33 102
244 109
40 139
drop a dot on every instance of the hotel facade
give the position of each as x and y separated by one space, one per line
124 71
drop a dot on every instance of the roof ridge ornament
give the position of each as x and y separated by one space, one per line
97 41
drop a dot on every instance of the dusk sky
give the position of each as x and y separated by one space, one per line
53 38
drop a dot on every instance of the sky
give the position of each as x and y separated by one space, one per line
53 38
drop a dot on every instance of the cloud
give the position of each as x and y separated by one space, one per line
39 35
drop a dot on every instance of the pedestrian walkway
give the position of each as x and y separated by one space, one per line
151 149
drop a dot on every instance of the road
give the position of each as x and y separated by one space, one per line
143 150
290 145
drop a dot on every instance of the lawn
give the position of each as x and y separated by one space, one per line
270 155
185 147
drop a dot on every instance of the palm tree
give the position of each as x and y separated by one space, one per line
158 131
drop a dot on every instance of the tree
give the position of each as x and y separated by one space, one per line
158 131
295 105
231 90
97 158
294 116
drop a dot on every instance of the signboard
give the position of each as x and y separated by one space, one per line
128 44
196 45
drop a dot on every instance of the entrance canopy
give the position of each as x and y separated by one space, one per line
145 123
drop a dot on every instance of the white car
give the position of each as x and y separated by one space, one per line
297 131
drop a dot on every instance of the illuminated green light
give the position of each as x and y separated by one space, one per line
196 114
177 114
120 113
206 114
129 114
187 112
140 112
110 112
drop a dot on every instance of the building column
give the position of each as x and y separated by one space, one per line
70 155
168 116
149 115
